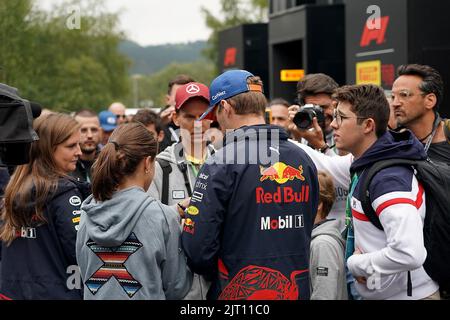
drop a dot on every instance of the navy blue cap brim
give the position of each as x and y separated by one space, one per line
108 128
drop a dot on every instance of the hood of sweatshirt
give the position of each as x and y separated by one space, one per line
169 153
391 145
330 228
110 222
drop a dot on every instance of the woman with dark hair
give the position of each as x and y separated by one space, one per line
41 214
126 234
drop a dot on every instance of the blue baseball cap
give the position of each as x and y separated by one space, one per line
108 120
227 85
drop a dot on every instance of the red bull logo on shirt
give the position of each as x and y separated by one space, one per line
189 226
282 195
281 173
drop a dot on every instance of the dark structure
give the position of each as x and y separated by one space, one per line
245 47
307 35
404 31
353 41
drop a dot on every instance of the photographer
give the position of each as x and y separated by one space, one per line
311 122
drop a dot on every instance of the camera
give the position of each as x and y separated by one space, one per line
304 117
16 126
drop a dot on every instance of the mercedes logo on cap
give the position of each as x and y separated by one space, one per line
192 89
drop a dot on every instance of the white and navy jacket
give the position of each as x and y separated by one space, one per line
399 201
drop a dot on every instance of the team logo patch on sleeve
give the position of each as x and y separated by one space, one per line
281 173
189 226
197 196
75 201
76 220
193 211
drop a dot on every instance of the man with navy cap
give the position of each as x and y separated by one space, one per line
248 225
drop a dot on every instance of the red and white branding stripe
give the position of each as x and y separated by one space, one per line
416 198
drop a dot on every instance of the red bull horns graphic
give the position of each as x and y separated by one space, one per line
281 173
189 226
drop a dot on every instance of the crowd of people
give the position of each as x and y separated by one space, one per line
207 200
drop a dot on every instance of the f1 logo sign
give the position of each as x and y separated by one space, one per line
230 57
377 34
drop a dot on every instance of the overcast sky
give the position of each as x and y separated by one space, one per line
152 22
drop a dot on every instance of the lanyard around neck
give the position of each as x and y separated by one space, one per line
348 210
436 123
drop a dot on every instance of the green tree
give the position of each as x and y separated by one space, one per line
233 13
154 87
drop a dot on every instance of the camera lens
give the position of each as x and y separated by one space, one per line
303 119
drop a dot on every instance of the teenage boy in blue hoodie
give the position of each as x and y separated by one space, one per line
382 258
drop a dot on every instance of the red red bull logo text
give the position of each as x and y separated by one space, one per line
281 173
282 195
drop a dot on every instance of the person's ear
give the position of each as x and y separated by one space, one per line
167 98
176 119
369 125
160 137
148 164
228 109
319 209
430 101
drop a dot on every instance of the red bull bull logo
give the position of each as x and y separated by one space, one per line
281 173
189 226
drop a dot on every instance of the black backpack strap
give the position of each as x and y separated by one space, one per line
184 170
166 169
366 203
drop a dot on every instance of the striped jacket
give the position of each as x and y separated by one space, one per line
399 201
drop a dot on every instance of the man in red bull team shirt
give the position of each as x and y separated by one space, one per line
251 218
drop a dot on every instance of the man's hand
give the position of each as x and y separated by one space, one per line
166 115
182 205
360 280
314 135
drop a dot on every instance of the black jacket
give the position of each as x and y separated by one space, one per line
249 223
35 265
